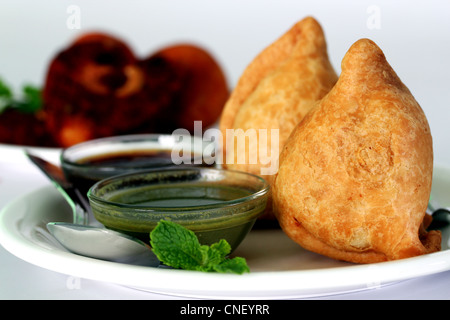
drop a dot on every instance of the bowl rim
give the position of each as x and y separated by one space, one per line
140 137
264 190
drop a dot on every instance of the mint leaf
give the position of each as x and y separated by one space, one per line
179 247
176 247
235 265
213 255
218 251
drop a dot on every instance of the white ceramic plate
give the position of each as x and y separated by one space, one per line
280 269
15 154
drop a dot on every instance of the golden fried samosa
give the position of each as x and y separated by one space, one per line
275 91
355 175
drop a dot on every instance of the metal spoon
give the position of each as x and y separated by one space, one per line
102 243
77 202
90 241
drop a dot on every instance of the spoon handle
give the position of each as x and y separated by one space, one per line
72 195
79 205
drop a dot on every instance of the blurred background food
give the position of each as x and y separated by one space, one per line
97 87
413 34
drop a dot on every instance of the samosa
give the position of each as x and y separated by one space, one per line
355 175
274 93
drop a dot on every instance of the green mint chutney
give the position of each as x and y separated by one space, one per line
214 207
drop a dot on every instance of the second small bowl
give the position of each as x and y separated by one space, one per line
213 203
89 162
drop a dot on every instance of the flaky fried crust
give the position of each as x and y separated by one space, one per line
276 91
355 175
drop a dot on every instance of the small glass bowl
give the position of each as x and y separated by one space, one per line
213 203
88 162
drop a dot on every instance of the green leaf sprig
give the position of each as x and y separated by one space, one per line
30 100
179 248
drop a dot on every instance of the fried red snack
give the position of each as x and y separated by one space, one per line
202 87
97 79
22 128
97 87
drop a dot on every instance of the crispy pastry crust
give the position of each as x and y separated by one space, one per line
355 175
276 91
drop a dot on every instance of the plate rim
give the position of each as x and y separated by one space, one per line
258 284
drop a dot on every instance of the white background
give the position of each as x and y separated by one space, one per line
414 35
